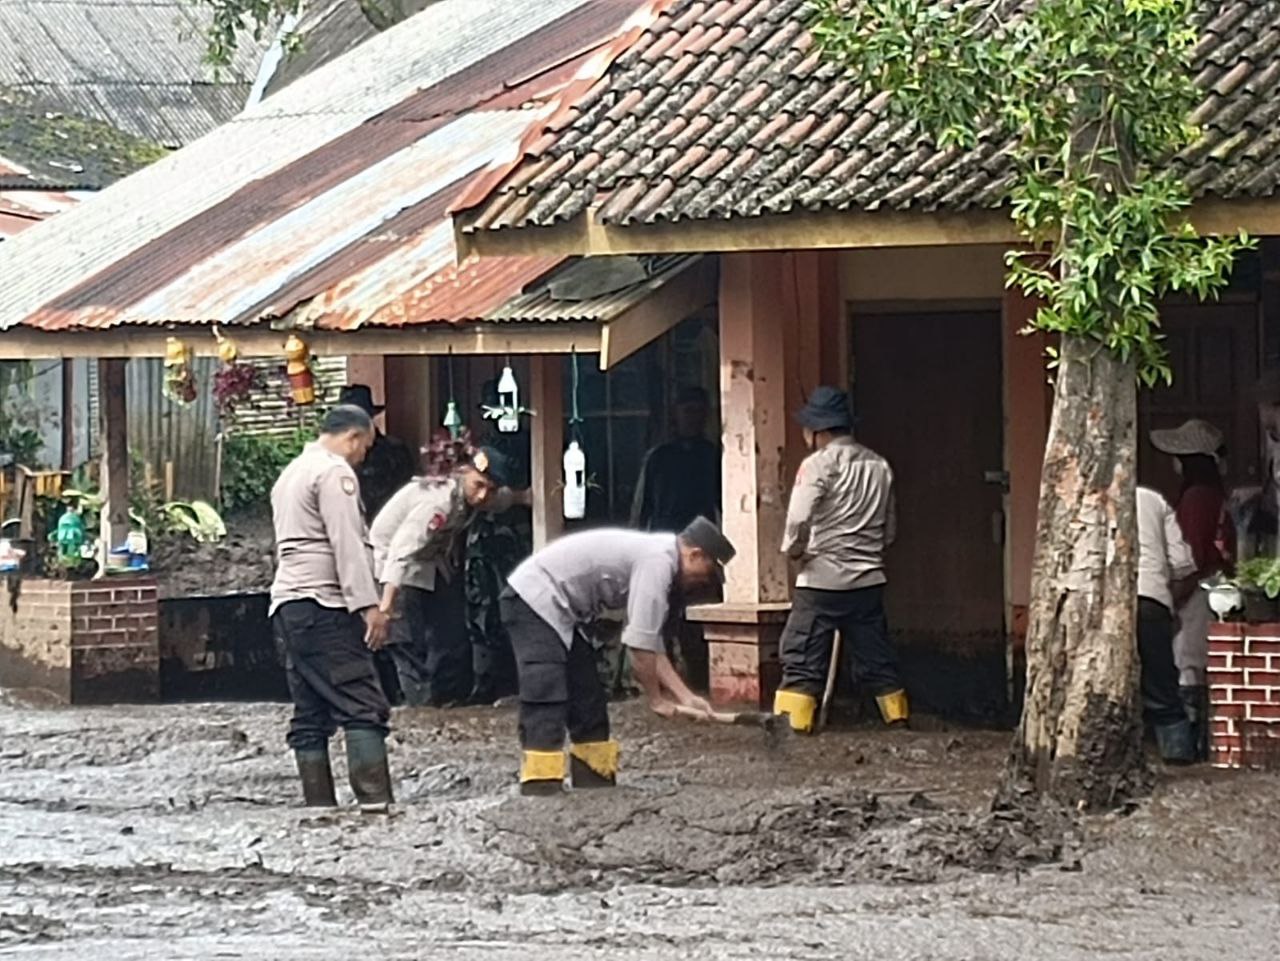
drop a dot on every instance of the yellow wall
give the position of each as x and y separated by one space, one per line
923 273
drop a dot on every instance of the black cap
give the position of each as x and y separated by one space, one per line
827 409
705 536
359 395
494 464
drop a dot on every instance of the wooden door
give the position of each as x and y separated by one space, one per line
1213 351
927 387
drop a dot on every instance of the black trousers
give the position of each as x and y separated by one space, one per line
560 690
332 679
815 616
1161 697
429 644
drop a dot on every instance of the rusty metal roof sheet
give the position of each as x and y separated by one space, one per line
332 193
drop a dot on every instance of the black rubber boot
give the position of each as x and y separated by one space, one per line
317 778
368 771
1196 701
1176 743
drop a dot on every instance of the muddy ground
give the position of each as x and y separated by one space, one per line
173 832
241 563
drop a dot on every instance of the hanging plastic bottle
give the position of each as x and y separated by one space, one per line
508 402
575 482
452 420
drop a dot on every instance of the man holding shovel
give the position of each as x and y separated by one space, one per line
840 520
566 586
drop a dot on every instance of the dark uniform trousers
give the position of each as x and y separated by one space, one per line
560 689
1161 698
332 679
816 615
430 645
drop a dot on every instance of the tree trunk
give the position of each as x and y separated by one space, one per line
1080 738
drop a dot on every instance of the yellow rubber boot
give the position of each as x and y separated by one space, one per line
542 772
800 709
893 707
594 764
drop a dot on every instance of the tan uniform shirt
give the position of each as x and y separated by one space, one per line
322 549
415 534
841 517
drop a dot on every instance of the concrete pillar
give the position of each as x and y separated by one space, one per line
772 312
546 447
1028 402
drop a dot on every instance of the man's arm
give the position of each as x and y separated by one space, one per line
809 488
505 498
422 525
642 636
891 519
339 504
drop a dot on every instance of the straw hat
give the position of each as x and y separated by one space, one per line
1193 437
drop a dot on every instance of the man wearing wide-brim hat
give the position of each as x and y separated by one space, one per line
840 520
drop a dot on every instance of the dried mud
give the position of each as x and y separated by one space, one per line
173 832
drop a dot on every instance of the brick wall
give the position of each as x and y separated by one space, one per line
83 641
1244 695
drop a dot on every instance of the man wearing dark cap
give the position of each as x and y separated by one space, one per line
568 585
680 480
325 615
389 464
417 540
840 520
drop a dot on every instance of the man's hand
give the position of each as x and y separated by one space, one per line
695 703
376 623
662 707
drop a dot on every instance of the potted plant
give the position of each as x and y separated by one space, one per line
1259 581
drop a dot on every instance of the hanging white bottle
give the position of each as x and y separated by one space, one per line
508 402
575 482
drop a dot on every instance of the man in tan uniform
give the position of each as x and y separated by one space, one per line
417 539
840 520
324 612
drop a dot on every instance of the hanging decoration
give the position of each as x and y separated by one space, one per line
452 418
508 411
234 382
302 383
179 379
575 460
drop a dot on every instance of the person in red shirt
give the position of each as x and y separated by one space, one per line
1198 451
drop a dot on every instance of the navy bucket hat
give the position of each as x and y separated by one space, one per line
827 409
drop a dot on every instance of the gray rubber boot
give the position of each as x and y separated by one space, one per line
317 777
368 771
1176 742
1196 701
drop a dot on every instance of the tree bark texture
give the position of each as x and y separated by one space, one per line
1080 738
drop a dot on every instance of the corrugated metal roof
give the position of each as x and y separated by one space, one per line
539 304
280 205
134 64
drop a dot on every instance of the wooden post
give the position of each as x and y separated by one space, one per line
413 411
113 431
546 447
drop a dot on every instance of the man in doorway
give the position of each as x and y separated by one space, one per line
389 464
680 479
563 588
324 613
840 520
417 542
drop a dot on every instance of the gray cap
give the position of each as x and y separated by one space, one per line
703 534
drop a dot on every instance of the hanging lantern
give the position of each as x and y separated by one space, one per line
302 383
575 482
179 380
508 402
228 350
452 420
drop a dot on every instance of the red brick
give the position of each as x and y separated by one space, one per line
1262 678
1228 711
1263 630
1224 629
1225 678
1260 646
1223 727
1249 695
1255 661
1225 645
1265 712
1219 661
